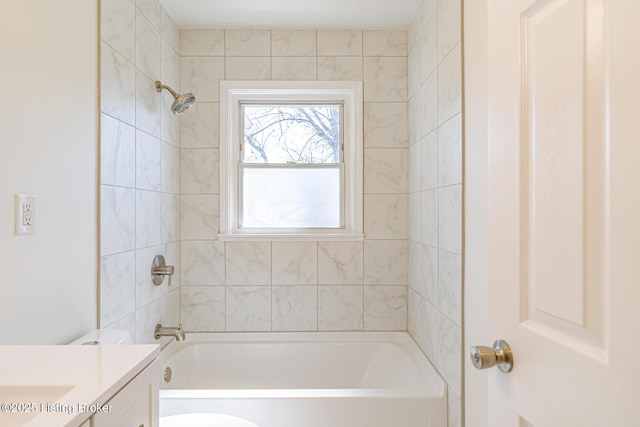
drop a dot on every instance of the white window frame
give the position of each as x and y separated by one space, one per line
232 94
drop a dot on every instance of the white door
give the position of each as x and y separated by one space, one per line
562 212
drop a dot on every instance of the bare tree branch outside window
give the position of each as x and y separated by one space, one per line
291 133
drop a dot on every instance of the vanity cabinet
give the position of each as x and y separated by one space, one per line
136 404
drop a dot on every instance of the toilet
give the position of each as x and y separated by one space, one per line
104 337
204 420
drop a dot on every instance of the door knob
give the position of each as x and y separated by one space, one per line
499 355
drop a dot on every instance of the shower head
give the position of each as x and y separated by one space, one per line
181 103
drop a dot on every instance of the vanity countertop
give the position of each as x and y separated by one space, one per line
56 386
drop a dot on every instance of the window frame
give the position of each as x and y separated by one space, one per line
235 93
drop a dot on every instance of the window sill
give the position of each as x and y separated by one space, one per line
245 237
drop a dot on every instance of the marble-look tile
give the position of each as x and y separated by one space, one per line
294 68
199 217
385 43
248 308
454 409
152 10
416 282
203 309
202 263
450 218
117 85
414 78
201 76
199 126
414 327
339 68
171 307
117 286
169 75
450 152
248 263
294 308
117 26
117 152
415 119
148 219
385 79
148 161
170 31
427 9
427 258
339 43
340 308
450 286
385 216
202 42
117 219
385 308
449 353
430 320
385 125
247 42
146 291
429 104
429 161
170 179
340 263
414 167
429 215
385 170
245 68
172 256
147 318
126 323
450 85
449 26
147 48
386 262
293 43
428 46
414 219
199 171
170 217
294 263
148 104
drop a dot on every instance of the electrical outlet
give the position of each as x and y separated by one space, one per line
26 214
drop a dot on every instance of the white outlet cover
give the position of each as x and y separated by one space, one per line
26 214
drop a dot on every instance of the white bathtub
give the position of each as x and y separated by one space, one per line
347 379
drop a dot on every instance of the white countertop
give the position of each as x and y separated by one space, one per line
59 384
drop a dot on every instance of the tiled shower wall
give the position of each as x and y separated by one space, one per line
140 160
435 191
296 286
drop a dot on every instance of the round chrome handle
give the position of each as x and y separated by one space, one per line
499 355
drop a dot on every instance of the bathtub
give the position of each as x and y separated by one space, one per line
318 379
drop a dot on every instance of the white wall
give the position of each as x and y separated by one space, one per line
48 125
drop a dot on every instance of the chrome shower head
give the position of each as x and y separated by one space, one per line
181 103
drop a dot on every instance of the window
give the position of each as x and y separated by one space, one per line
290 160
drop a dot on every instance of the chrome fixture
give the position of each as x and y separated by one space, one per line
159 269
499 355
181 103
167 374
177 333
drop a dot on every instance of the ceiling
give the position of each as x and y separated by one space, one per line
352 14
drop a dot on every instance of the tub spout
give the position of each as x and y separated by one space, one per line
177 333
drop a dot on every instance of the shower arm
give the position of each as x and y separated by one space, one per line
160 86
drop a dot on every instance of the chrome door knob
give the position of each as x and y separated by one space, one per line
499 355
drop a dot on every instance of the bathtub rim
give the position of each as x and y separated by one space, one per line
400 338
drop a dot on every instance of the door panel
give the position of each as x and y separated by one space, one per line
563 211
